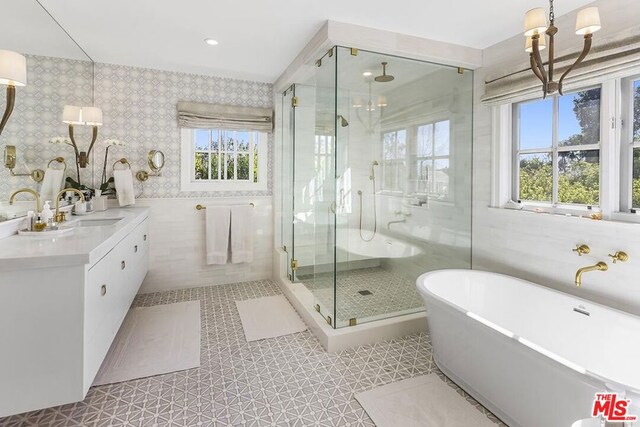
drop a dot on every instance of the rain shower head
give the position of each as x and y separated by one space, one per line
384 78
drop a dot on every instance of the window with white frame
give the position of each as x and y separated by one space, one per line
630 147
571 153
635 129
431 168
223 159
394 157
557 149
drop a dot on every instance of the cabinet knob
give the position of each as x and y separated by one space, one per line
123 265
103 290
135 249
145 238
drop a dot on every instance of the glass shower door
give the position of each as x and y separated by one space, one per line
304 186
325 204
403 180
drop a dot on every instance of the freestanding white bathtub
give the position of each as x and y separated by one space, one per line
532 355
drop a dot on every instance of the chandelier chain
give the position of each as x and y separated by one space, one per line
552 16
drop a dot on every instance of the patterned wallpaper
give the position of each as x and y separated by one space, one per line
139 108
37 116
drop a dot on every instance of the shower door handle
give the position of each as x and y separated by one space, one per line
332 207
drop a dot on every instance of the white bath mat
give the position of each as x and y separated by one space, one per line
268 317
424 401
152 341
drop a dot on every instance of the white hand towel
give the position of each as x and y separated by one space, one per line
241 234
124 187
217 237
51 184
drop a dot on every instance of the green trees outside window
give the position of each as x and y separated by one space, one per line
226 155
564 133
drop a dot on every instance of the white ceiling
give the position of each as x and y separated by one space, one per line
259 38
30 29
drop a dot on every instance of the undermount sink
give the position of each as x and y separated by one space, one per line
98 222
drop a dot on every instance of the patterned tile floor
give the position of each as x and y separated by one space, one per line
391 292
285 381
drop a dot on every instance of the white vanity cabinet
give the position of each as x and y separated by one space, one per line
60 310
110 287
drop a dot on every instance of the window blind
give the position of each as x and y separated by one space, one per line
198 115
608 60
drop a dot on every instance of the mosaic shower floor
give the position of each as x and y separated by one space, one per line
285 381
365 293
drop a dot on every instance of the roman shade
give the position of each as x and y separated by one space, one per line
607 60
199 115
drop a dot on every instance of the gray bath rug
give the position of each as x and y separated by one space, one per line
152 341
424 401
268 317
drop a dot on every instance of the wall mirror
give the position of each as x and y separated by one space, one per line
156 160
59 73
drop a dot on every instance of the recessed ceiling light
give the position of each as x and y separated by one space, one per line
367 73
211 42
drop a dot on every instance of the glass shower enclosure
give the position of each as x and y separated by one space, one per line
377 155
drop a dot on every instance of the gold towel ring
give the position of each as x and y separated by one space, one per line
123 161
59 160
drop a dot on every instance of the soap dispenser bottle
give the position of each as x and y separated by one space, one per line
47 214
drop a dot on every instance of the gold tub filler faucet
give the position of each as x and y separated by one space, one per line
600 266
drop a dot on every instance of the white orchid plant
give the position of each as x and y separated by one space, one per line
104 182
60 140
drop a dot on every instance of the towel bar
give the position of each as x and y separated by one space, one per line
201 207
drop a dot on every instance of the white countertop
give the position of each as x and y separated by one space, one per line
82 245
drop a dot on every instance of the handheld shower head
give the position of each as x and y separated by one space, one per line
373 172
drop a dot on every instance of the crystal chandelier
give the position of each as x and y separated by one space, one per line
536 29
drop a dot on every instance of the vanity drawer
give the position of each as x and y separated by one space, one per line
139 245
100 310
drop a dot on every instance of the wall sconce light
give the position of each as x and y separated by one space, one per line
13 72
10 158
87 116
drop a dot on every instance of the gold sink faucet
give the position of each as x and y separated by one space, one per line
600 266
60 216
30 191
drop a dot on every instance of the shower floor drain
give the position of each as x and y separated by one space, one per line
365 292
